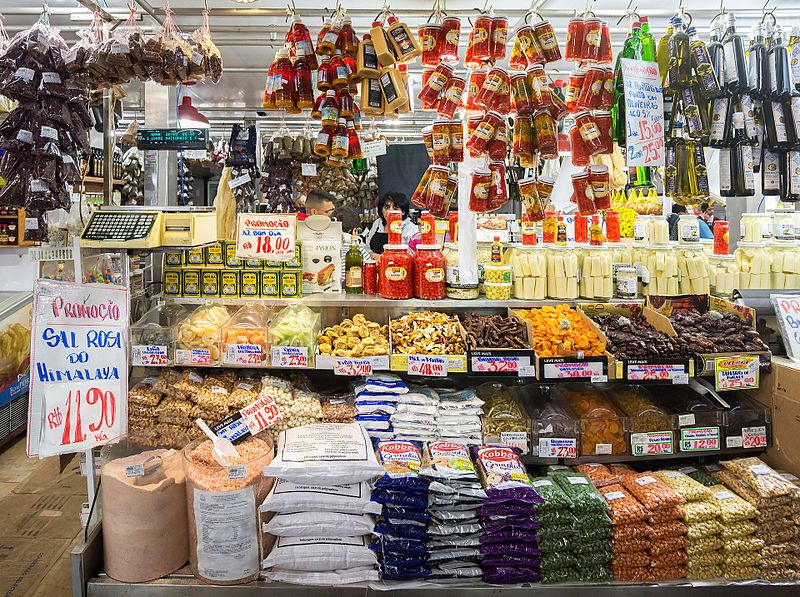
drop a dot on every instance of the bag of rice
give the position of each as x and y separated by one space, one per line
310 524
287 497
320 554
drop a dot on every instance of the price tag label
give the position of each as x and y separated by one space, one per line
352 367
195 356
754 437
614 495
269 237
558 447
655 371
233 428
372 149
680 379
308 169
651 443
429 365
700 439
244 354
733 441
599 378
500 364
601 449
686 420
736 373
149 356
526 371
576 370
237 182
237 472
79 415
261 414
515 439
289 356
134 470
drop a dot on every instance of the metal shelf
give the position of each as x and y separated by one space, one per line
614 458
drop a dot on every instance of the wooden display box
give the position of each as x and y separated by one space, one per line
503 361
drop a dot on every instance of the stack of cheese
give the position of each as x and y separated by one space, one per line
703 530
562 272
754 266
785 265
529 266
659 271
596 279
693 268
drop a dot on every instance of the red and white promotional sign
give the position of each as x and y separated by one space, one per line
266 236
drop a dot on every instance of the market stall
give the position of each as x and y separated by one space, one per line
537 370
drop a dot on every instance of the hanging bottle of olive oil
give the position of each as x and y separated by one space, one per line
736 163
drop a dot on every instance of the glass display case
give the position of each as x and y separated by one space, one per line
245 337
505 421
154 335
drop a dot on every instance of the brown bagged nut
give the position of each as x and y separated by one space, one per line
632 559
628 574
668 515
189 383
338 409
672 543
623 507
620 469
760 476
142 393
176 419
136 423
213 397
174 407
696 530
141 410
630 531
667 573
630 546
651 491
780 573
211 414
669 559
245 391
664 530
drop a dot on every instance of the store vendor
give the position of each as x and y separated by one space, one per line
377 236
318 203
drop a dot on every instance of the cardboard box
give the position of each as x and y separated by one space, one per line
321 254
785 451
210 282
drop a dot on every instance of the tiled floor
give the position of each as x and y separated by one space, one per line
40 510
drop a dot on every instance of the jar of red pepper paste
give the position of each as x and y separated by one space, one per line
429 279
396 273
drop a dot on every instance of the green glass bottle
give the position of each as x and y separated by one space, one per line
353 269
648 41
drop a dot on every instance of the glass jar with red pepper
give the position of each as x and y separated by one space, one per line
456 128
589 132
575 36
479 190
558 109
429 279
607 95
599 179
451 97
498 191
532 204
529 45
605 55
546 135
396 273
476 79
447 45
439 205
435 83
484 132
427 228
441 142
545 185
575 84
479 42
546 37
429 35
370 272
591 43
498 37
498 145
418 197
582 189
521 93
580 155
491 87
612 226
523 139
581 228
604 124
592 89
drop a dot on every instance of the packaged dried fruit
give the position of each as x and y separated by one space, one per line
640 573
602 425
645 415
505 421
760 476
245 338
651 491
668 515
199 336
599 474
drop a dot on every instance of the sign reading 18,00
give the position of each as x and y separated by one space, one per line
172 138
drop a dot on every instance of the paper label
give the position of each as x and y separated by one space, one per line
308 169
149 356
614 495
326 442
237 472
372 149
541 483
644 113
736 373
227 534
243 354
195 356
754 437
526 371
680 379
432 366
686 420
289 356
48 132
734 441
134 470
261 414
603 449
495 364
515 439
760 469
235 183
723 495
352 367
599 378
558 447
700 439
650 443
654 371
578 480
577 370
646 480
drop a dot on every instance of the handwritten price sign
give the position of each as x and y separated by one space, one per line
700 439
261 414
149 356
266 236
754 437
244 354
79 416
289 356
432 366
352 367
644 113
558 447
649 371
576 370
787 311
736 373
501 364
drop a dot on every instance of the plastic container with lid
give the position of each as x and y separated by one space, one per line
497 274
756 227
693 410
505 421
641 228
199 337
145 534
747 423
688 229
554 428
529 266
454 287
497 291
693 268
245 337
396 273
708 245
753 260
784 264
644 414
217 554
783 227
153 335
602 425
620 252
429 272
659 271
723 275
596 273
562 272
658 230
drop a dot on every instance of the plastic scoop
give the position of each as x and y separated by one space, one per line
221 448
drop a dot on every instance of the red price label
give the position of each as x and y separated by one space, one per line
495 364
654 371
352 367
700 439
578 370
289 356
149 356
432 366
200 356
79 416
754 437
244 354
261 414
557 447
736 373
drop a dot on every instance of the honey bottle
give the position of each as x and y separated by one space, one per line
340 78
322 146
327 44
403 40
330 109
340 141
283 80
367 59
371 97
346 105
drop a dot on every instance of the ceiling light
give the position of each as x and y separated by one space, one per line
189 117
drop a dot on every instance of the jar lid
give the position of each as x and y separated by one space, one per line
722 257
506 284
395 247
567 247
428 247
785 243
756 215
749 245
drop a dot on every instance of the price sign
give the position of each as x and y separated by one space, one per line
79 367
308 169
194 356
700 439
558 447
526 371
515 439
261 414
79 416
754 437
352 367
736 373
651 443
787 311
644 113
289 356
650 371
372 149
432 366
573 370
149 356
498 364
244 354
266 236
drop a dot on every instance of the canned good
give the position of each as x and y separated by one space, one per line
229 283
190 279
173 259
252 263
194 257
231 260
291 283
214 255
270 279
249 283
297 260
172 282
210 282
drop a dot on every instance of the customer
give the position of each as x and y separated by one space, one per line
318 203
672 220
377 236
707 214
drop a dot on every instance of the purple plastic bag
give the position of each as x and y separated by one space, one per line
508 575
494 525
513 548
509 560
509 534
506 509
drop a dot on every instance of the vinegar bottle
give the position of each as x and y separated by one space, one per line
340 141
347 42
330 109
367 59
758 70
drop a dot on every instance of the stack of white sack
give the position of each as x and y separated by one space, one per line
459 416
376 401
414 419
316 519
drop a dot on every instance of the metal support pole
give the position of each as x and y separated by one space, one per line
109 142
160 167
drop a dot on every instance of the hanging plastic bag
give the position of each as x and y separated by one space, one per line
210 54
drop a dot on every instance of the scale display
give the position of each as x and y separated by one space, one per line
172 138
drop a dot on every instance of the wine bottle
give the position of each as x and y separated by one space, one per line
758 65
780 77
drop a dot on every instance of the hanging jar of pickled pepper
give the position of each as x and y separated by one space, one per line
589 132
517 60
576 34
498 38
549 227
548 42
429 34
498 145
523 138
484 132
441 142
418 196
591 44
541 95
478 43
435 83
605 54
601 192
498 191
546 135
521 93
447 43
451 97
456 128
605 124
479 190
575 84
529 45
580 154
474 85
581 229
592 89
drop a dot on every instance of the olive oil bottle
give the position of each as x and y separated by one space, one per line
736 163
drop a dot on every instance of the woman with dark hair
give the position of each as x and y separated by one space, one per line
377 236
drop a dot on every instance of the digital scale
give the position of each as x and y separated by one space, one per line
137 227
